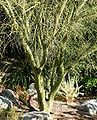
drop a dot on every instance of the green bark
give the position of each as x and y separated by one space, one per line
40 90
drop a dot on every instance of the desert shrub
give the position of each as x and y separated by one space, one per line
18 74
89 86
12 57
8 114
70 89
22 94
86 72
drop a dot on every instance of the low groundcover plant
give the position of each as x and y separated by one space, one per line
9 114
70 89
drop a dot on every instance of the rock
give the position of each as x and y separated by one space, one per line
5 103
35 116
9 94
32 91
89 106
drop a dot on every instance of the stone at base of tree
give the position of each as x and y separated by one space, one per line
10 96
5 103
32 91
36 115
89 106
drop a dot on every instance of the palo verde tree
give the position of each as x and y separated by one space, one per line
55 35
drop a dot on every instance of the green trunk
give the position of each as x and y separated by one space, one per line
45 105
40 90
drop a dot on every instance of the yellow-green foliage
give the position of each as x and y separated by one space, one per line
8 114
70 89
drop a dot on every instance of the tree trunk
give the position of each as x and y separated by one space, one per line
44 104
40 91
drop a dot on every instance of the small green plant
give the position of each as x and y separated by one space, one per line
8 114
89 85
70 89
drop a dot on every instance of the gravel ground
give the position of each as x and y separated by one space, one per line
62 111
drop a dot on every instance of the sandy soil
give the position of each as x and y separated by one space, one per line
63 111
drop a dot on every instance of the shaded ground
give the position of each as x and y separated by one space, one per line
62 111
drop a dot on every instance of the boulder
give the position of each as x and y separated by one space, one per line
9 94
36 115
5 103
32 91
89 106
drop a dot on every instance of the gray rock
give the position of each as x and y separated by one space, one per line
89 106
32 91
5 103
9 94
36 115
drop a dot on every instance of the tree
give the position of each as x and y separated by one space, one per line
55 35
